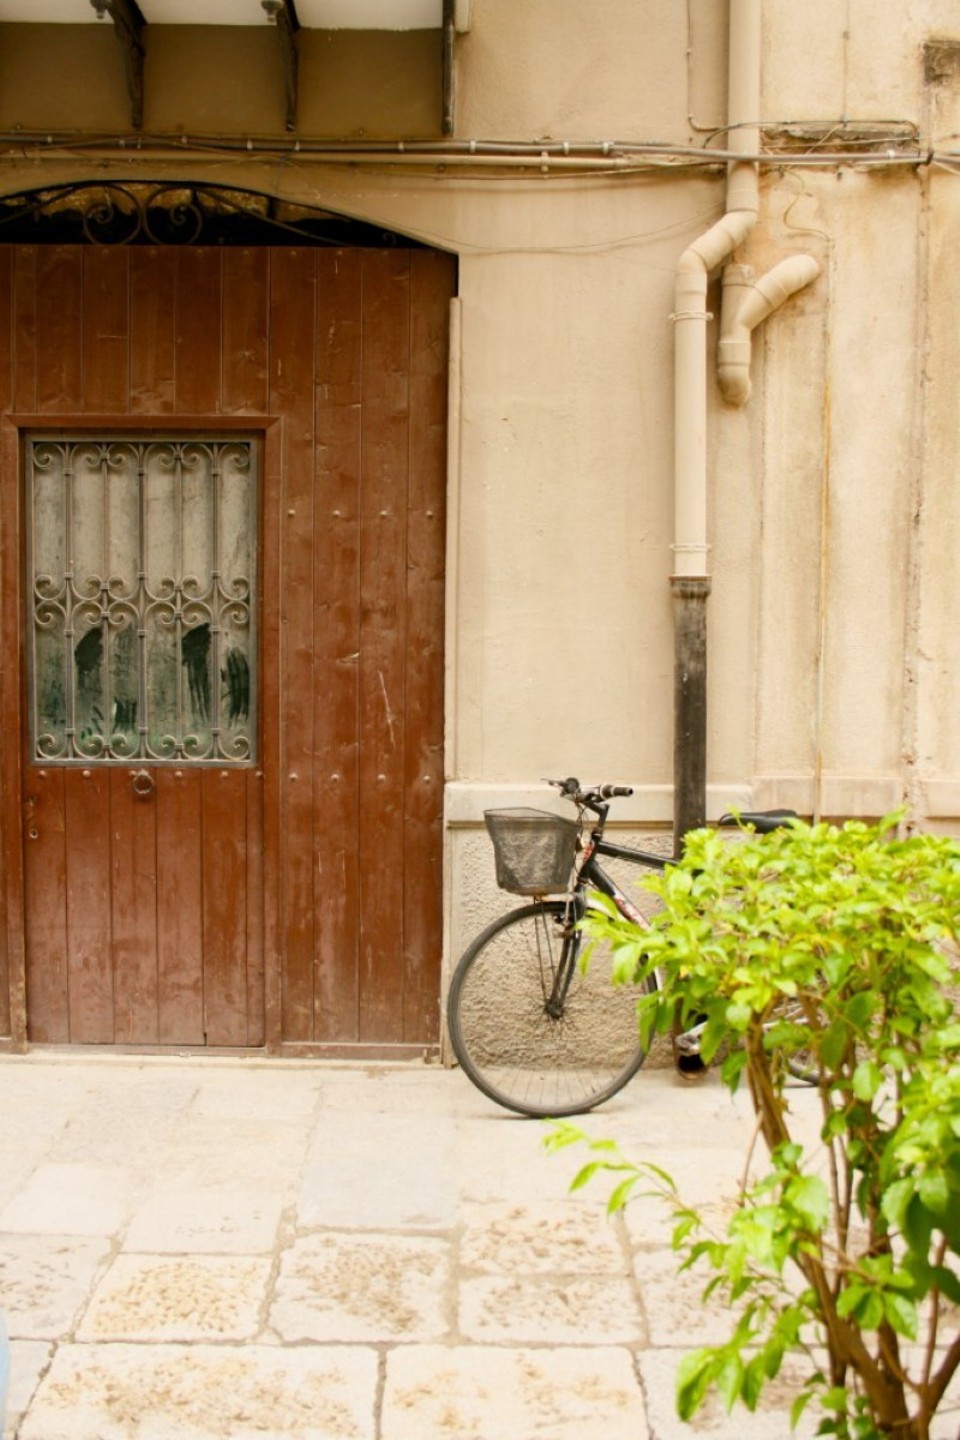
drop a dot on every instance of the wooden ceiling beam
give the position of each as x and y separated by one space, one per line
128 26
283 14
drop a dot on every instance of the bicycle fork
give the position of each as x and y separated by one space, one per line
561 974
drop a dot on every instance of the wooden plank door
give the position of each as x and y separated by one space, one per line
294 898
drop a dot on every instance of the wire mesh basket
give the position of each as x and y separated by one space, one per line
534 850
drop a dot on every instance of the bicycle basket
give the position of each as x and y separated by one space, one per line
534 850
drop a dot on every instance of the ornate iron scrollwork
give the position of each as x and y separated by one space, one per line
115 212
167 215
142 558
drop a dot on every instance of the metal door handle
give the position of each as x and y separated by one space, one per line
142 782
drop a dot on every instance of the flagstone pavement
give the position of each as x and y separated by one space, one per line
292 1250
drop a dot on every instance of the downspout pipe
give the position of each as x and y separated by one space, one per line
746 304
691 575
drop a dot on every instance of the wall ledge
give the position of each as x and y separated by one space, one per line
941 798
841 797
466 801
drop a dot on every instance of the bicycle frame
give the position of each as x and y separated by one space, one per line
591 875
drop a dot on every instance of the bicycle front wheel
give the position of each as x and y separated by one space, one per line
534 1044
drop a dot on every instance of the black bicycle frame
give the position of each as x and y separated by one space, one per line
592 876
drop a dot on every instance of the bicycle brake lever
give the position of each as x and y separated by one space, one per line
568 787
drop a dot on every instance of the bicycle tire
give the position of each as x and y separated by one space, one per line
507 1043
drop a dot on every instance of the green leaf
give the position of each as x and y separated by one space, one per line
901 1313
797 1408
934 1191
810 1198
729 1380
694 1374
583 1175
621 1194
833 1044
738 1016
733 1067
895 1200
917 1226
562 1133
946 1282
754 1379
867 1079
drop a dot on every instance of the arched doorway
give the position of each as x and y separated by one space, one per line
223 476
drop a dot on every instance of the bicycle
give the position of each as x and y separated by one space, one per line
533 1028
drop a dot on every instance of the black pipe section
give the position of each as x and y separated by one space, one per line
449 28
689 706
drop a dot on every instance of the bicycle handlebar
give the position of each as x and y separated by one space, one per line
592 795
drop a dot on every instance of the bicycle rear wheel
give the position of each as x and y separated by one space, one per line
523 1044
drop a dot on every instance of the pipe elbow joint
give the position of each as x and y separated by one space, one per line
733 369
754 304
775 287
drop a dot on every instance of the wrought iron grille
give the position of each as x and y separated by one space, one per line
106 212
142 584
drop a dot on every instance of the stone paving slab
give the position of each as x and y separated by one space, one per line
208 1219
674 1305
437 1393
364 1287
205 1392
29 1360
175 1297
380 1169
45 1281
71 1199
118 1127
551 1310
537 1239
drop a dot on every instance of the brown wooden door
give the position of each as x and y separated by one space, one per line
293 895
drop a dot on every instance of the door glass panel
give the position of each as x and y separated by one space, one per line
142 582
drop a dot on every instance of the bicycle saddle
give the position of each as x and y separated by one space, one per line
762 821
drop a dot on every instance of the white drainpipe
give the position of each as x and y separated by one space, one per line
696 264
746 305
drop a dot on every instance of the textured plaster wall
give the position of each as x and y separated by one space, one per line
858 658
603 70
937 654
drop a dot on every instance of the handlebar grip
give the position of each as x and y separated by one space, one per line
609 791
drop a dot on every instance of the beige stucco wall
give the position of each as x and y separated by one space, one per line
834 499
937 631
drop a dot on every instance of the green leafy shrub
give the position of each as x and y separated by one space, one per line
837 947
